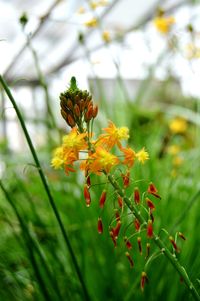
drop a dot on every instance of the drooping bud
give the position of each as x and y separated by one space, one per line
116 229
113 238
136 195
117 215
120 201
153 190
100 225
139 241
126 179
147 250
150 229
137 224
88 181
128 243
152 217
102 199
181 235
87 195
143 280
150 204
129 259
174 244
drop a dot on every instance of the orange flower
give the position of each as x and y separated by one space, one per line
129 156
114 135
102 160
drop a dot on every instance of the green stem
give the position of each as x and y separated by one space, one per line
174 261
46 187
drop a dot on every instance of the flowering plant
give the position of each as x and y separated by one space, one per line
107 156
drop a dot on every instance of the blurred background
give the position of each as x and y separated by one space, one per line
143 73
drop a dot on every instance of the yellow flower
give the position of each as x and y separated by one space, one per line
58 158
173 149
102 160
177 161
91 23
114 135
164 24
178 125
75 141
192 51
106 36
81 10
142 155
93 4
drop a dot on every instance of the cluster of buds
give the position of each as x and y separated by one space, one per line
103 155
77 106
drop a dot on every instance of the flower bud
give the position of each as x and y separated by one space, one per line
129 259
87 195
102 199
100 226
150 229
136 195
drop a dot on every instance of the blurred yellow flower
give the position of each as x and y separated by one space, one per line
192 51
58 158
95 4
142 155
106 36
178 125
81 10
164 24
91 23
177 161
173 149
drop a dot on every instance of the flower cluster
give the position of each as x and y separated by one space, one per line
108 155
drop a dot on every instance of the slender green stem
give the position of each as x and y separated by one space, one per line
46 187
164 249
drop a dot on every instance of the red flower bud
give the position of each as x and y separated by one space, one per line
120 201
137 224
150 204
100 226
116 229
113 238
87 195
143 280
150 229
126 179
129 259
174 244
147 250
128 243
139 240
181 235
88 181
117 215
102 199
153 190
136 195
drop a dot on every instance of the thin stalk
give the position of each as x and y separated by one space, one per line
46 187
164 249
